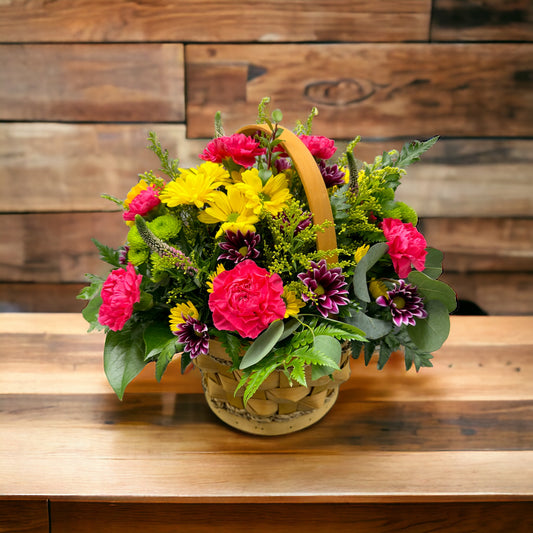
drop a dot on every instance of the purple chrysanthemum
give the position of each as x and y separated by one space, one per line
123 255
328 287
332 174
193 335
239 246
404 303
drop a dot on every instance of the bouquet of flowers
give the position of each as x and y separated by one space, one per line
227 252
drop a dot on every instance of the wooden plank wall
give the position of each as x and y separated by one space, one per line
83 82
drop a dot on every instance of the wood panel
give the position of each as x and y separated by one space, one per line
487 261
27 255
56 247
41 297
495 292
380 90
459 432
29 516
489 20
66 167
221 21
32 361
363 518
482 244
92 82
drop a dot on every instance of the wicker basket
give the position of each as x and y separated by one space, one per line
278 407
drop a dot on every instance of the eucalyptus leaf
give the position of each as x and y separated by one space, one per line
263 344
123 357
373 328
330 347
433 265
373 255
429 334
432 289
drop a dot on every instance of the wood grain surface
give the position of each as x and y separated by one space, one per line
490 20
382 90
222 21
451 444
92 82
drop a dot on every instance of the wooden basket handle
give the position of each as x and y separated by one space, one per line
312 181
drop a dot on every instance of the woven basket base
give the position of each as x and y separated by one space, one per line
269 427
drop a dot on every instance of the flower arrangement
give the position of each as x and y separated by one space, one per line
227 251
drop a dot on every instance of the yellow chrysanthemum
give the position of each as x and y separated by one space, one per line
346 174
293 303
195 186
180 312
142 185
272 196
230 209
361 252
220 268
377 288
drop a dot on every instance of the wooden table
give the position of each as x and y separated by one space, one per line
448 449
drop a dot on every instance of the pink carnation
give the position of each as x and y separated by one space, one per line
143 203
242 149
320 147
407 246
246 299
120 291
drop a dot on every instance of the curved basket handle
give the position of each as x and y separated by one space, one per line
312 180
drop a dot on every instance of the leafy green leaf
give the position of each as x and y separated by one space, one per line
367 262
107 254
433 265
419 359
92 290
232 345
411 152
385 352
165 356
298 372
90 313
429 334
432 289
123 357
290 327
331 348
373 328
344 330
263 344
156 337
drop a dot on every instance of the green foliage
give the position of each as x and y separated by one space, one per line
410 153
430 333
168 165
123 356
219 129
374 254
262 345
107 254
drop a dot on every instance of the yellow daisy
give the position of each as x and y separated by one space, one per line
230 209
220 268
180 312
272 196
361 252
293 303
377 288
195 186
